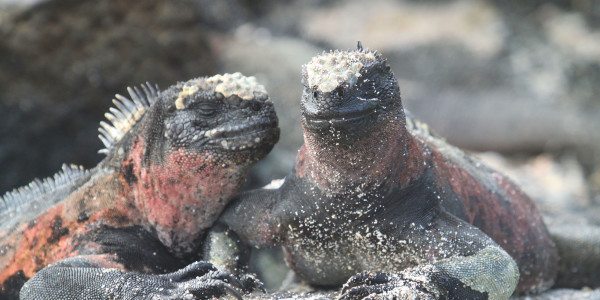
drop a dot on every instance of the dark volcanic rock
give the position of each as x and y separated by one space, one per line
62 61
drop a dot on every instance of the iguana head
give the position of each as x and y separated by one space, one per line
184 152
352 118
348 92
227 115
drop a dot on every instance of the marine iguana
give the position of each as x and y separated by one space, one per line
132 226
377 202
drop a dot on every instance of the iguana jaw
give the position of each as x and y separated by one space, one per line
258 133
316 120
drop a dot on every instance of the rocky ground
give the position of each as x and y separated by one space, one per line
519 78
559 294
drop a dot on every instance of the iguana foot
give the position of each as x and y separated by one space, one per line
202 280
388 286
251 284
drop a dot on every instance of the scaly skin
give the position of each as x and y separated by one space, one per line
124 228
378 203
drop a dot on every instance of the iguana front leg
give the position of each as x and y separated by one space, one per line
128 263
100 277
463 264
248 221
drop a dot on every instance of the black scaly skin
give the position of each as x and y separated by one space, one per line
377 204
132 228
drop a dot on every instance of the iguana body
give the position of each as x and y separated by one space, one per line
373 192
174 160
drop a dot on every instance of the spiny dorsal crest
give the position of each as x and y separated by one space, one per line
330 69
247 88
419 128
126 113
18 197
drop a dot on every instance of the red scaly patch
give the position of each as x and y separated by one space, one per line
43 242
183 195
506 214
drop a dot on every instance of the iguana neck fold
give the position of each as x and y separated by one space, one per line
387 156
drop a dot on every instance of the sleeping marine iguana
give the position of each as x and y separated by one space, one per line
376 201
132 226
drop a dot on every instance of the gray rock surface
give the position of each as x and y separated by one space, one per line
62 62
558 294
565 294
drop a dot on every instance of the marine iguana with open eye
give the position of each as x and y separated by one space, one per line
376 202
132 226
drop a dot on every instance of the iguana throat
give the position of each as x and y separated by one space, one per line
183 195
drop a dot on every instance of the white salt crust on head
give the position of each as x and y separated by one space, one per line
328 70
226 84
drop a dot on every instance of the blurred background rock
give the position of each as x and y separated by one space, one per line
520 78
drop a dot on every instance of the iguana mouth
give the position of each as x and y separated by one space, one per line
243 136
337 119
